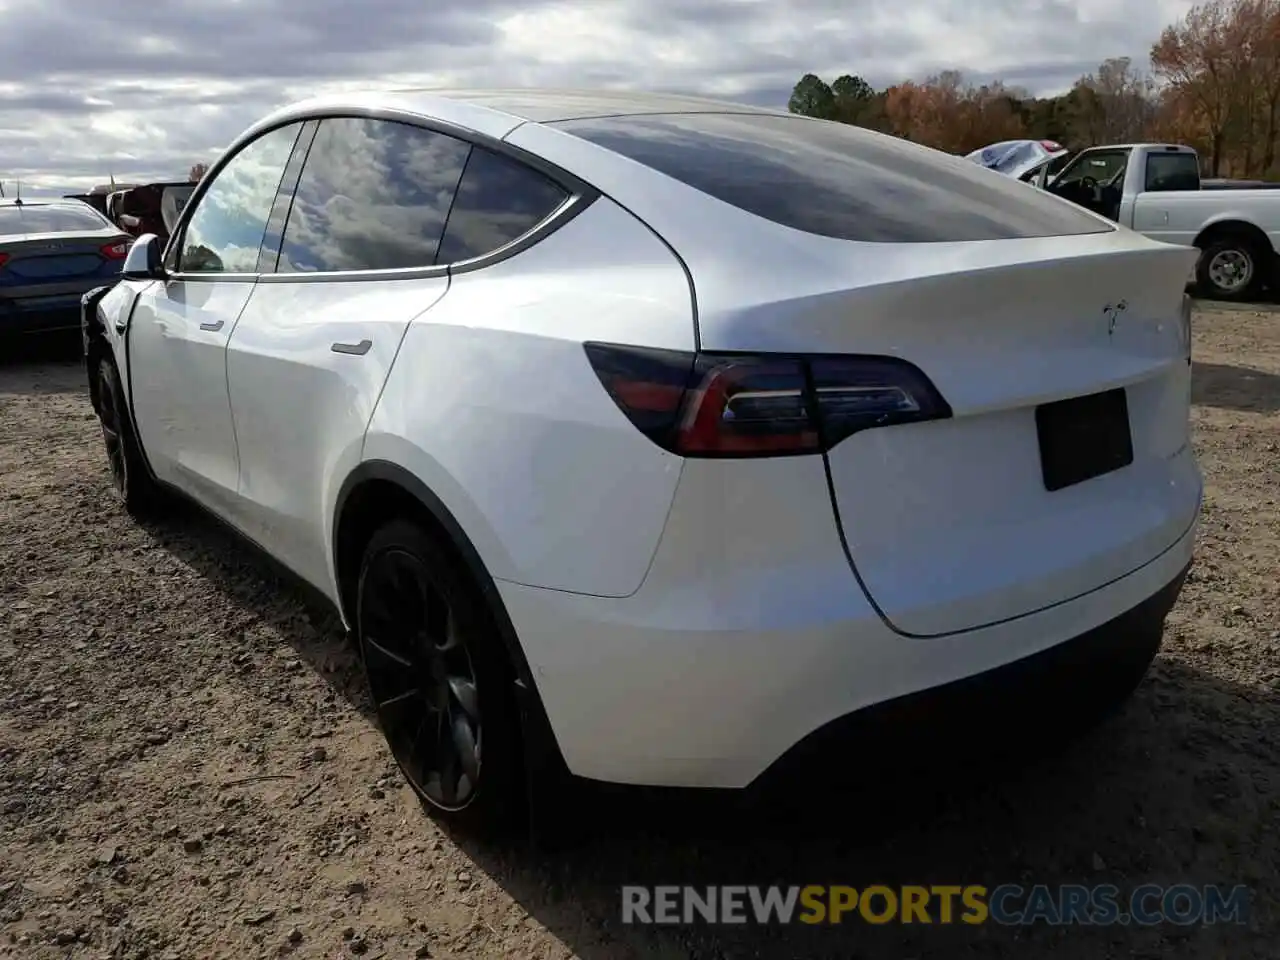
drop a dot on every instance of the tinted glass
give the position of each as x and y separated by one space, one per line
499 200
49 218
1173 171
835 179
274 233
373 195
225 229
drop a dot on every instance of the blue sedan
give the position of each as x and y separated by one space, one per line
52 252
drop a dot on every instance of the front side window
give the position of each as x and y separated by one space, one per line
225 231
499 200
1099 166
834 179
373 195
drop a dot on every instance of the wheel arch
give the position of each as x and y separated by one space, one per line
93 337
1212 232
376 491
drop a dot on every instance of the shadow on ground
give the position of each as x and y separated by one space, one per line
1234 387
49 363
1110 807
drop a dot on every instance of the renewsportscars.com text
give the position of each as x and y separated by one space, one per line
1009 904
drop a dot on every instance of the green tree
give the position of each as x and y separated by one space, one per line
852 88
855 101
812 97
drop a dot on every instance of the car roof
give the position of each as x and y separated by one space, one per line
553 105
496 112
40 202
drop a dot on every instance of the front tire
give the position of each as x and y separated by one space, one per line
439 680
130 478
1230 268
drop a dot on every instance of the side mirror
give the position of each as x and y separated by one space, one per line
143 260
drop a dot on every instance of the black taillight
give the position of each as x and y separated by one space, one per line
714 405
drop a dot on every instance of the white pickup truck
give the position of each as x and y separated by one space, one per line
1155 188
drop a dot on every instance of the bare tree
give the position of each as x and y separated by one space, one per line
1119 101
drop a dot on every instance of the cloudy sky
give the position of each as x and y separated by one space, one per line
145 88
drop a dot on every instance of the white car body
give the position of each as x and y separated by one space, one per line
687 620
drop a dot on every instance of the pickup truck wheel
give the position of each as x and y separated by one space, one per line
1229 268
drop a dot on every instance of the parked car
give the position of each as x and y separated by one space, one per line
650 439
1014 157
51 253
96 200
1156 189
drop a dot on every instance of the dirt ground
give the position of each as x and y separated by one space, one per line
188 769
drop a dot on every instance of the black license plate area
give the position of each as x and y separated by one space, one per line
1083 437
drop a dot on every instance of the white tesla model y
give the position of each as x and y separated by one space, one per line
657 435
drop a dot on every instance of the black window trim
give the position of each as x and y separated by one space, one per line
580 196
284 197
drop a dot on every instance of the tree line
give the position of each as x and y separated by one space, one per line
1212 81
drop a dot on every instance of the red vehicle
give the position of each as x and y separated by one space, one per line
149 208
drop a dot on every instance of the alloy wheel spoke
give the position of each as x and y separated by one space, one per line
400 699
463 692
449 641
375 646
448 775
464 744
413 752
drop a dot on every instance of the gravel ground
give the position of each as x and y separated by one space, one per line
188 768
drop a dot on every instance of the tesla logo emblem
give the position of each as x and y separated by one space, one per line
1112 312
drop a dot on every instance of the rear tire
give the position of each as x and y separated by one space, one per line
130 477
1230 268
440 681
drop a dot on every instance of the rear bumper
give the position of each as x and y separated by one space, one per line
1008 709
665 689
35 316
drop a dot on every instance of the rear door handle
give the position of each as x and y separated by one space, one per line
212 325
355 349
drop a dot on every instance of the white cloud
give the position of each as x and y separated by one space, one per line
143 89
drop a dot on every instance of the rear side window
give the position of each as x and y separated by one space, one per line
498 201
836 180
49 218
374 195
1172 171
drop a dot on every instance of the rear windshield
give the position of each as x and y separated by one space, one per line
835 179
47 218
1172 171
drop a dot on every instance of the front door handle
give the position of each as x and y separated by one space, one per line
355 349
212 325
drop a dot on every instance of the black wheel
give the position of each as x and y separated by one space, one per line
129 476
439 679
1230 269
